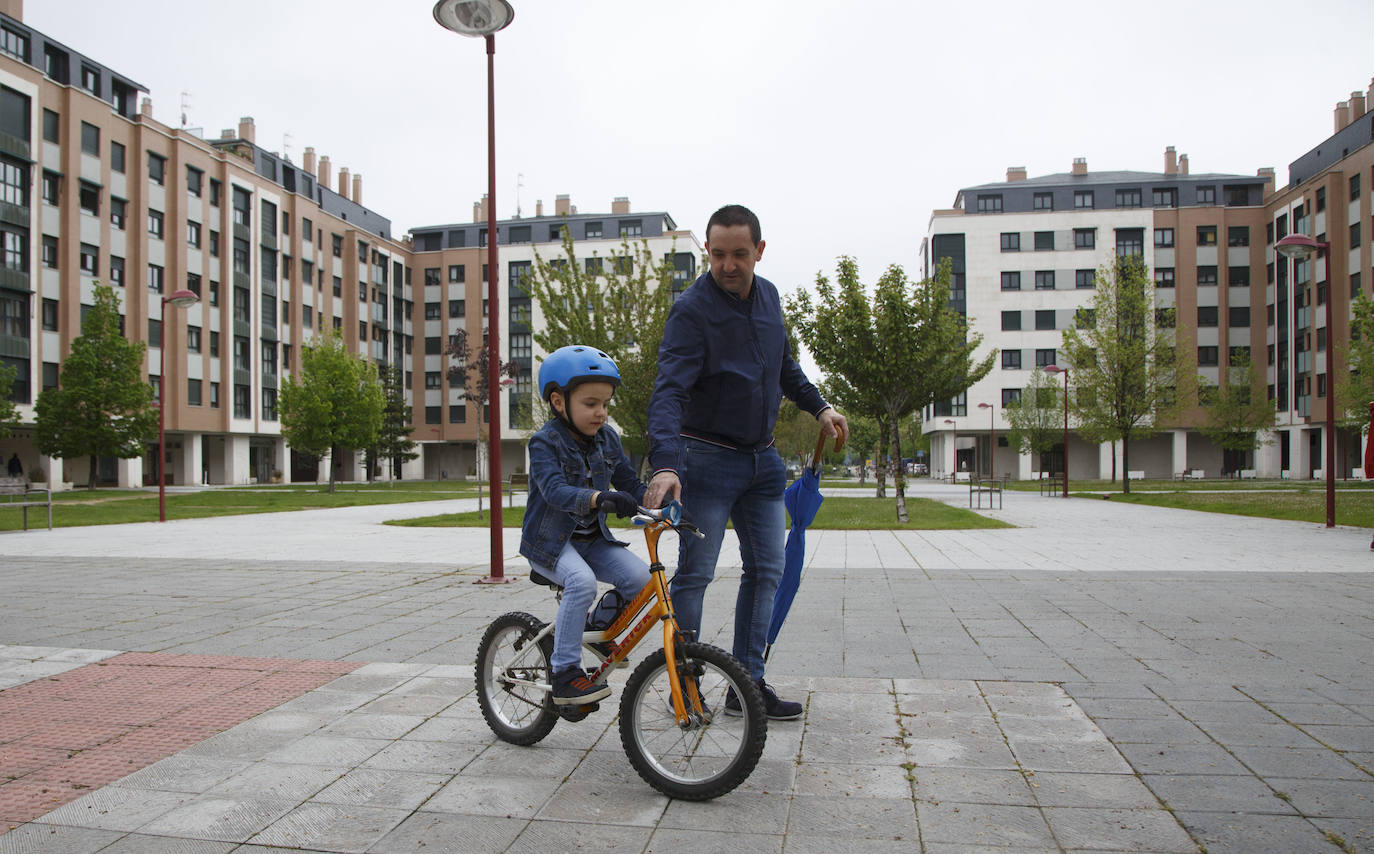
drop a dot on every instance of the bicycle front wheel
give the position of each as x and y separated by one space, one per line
712 755
512 675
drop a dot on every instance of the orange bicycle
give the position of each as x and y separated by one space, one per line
672 722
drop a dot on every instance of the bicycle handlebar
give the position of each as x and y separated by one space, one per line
670 513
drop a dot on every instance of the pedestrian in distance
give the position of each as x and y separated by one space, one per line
723 368
16 468
578 473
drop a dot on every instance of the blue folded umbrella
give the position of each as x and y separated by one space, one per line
802 499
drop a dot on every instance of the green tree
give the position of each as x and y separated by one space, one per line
1124 363
9 410
1355 388
393 437
1234 412
618 305
335 405
892 355
103 405
1037 417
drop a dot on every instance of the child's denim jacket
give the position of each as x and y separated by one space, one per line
560 492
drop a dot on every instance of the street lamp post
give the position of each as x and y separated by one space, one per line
992 435
485 18
176 299
1299 247
954 466
1055 369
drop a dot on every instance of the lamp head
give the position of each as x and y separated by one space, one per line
181 299
1298 247
474 17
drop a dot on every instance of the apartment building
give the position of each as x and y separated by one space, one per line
1025 252
452 260
94 189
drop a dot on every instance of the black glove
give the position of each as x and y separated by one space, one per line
621 503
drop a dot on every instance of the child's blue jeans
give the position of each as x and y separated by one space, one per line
580 565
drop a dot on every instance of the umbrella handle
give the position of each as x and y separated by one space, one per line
820 449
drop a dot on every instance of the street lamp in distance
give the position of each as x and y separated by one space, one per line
484 18
954 466
1055 369
992 434
176 299
1299 247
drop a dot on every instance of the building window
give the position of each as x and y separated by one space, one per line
214 395
1164 197
1011 321
1085 238
90 139
1354 285
456 273
630 228
1238 276
155 224
1010 396
154 333
1011 281
90 79
1011 240
1083 199
1011 360
1164 277
1130 241
15 44
1164 238
1354 235
457 413
1238 315
1207 196
1043 202
49 315
990 204
1164 318
90 259
1206 356
52 187
1044 318
193 392
193 339
157 168
1128 198
243 404
89 197
1238 235
193 233
214 345
1354 187
1044 280
431 276
1084 279
432 379
1206 276
456 308
155 278
1044 241
432 311
433 345
1044 358
50 252
118 209
51 123
194 178
1206 235
117 271
1206 315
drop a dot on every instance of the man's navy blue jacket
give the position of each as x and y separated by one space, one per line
723 367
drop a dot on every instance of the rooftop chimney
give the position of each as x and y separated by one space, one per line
1341 118
1016 173
539 207
325 175
308 160
562 204
482 208
1356 105
1267 173
227 133
1369 101
1170 161
358 188
1080 166
343 182
145 108
621 205
247 132
1183 164
13 8
476 211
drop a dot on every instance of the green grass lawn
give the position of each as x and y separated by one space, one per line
1305 504
835 514
1213 485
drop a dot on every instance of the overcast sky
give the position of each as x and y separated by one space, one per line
841 124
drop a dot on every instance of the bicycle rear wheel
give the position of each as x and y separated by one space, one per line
510 679
708 758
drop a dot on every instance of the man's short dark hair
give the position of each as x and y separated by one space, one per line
732 215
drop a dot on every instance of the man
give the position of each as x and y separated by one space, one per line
723 367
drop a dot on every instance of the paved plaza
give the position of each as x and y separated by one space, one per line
1102 677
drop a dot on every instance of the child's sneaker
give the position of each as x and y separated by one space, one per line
603 651
571 687
777 709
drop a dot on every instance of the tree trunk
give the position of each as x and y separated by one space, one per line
1066 453
333 466
880 469
899 473
1125 463
90 482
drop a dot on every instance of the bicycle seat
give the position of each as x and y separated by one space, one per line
540 578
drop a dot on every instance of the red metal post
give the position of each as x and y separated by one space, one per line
162 419
1330 463
1066 434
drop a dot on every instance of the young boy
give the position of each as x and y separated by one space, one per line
577 473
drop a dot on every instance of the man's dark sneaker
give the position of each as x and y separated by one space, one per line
778 710
571 687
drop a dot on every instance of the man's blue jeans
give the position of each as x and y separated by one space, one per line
743 487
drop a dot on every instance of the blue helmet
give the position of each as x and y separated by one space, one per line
567 367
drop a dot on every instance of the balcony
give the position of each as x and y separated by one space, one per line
14 214
15 147
14 347
14 280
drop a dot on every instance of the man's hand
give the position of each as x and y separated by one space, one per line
834 424
663 487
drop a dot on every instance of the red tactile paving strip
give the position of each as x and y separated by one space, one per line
63 735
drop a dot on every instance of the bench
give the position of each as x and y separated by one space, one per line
519 479
1194 474
1135 475
985 487
1247 474
20 494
